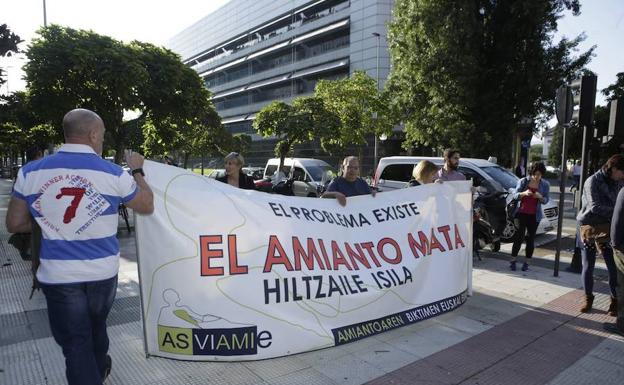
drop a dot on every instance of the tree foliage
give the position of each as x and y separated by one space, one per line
465 73
535 153
20 128
616 90
360 108
71 68
241 143
304 120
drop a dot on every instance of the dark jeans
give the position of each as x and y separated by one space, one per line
77 314
619 263
527 225
588 255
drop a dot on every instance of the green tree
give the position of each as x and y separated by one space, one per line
465 73
304 120
535 153
241 143
616 90
70 68
20 128
181 115
360 108
275 119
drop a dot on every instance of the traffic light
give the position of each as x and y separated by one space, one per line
616 119
584 92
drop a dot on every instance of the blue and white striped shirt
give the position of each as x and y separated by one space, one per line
74 196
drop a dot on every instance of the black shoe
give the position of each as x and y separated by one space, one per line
107 368
512 265
612 328
525 266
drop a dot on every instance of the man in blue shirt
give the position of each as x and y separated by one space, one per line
74 196
348 185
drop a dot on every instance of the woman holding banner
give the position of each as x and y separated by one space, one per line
234 176
424 172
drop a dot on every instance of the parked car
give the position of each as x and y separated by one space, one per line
395 171
255 172
216 173
310 176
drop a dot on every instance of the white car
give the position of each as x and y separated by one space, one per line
216 173
395 171
309 175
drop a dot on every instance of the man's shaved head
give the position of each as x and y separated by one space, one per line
80 122
82 126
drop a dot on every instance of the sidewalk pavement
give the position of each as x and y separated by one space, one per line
517 328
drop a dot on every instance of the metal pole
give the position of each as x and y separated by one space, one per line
584 170
576 265
45 16
562 183
375 154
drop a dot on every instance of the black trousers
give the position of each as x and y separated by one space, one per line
528 225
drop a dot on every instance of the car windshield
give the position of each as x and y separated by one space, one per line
502 176
321 173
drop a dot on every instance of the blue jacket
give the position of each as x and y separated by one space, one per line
598 200
543 188
617 223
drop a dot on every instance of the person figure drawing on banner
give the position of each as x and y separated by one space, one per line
349 184
74 195
176 314
172 313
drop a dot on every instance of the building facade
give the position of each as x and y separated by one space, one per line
252 52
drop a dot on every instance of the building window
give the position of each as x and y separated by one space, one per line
280 26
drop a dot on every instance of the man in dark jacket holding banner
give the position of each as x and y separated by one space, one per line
617 241
598 201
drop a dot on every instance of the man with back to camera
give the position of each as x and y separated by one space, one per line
74 196
449 172
349 184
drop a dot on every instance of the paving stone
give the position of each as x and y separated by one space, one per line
306 376
348 369
590 371
269 369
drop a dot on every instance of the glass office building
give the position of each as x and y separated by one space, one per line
252 52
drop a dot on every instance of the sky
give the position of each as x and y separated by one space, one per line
156 21
152 21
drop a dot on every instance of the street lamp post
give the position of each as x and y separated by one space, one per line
45 16
375 156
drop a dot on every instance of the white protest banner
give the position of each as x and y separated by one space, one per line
229 274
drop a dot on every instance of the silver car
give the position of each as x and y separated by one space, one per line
395 171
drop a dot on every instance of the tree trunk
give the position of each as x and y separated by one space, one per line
119 152
186 156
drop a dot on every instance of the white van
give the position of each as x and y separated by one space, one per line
308 174
395 171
